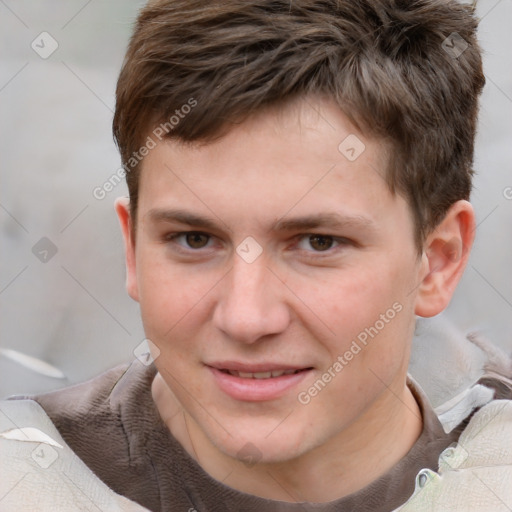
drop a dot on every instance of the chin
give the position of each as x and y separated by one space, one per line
262 443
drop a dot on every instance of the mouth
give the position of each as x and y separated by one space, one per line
262 375
261 382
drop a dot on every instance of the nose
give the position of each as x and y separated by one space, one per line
252 304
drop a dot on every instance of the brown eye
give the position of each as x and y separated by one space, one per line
321 242
197 240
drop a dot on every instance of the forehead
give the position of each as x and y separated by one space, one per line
304 158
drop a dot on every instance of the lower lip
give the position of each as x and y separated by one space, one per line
256 390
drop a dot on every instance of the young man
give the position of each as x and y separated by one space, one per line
299 176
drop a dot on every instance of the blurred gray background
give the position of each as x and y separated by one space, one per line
62 295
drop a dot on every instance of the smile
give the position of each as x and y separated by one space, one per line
256 383
261 375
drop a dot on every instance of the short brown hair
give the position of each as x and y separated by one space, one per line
390 65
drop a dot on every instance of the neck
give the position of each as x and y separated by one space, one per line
344 464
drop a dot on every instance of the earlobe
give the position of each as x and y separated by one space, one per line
445 255
122 207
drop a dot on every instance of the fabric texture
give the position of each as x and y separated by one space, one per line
39 472
474 475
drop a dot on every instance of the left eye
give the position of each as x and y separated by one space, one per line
319 243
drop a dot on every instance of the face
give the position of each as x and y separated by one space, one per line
275 249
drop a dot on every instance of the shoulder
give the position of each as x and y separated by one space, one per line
88 413
78 411
100 421
84 397
106 423
41 472
475 473
100 400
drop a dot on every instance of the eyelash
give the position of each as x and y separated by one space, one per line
339 241
172 237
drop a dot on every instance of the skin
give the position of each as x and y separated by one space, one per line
294 304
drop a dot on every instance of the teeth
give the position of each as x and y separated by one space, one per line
261 375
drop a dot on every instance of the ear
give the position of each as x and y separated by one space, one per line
445 255
122 206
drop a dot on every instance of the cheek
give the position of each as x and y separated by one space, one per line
370 305
164 296
175 300
382 320
355 299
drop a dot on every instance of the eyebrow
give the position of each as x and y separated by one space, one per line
183 217
304 223
327 220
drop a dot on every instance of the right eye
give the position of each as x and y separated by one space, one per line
191 240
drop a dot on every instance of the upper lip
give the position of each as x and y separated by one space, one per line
254 367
